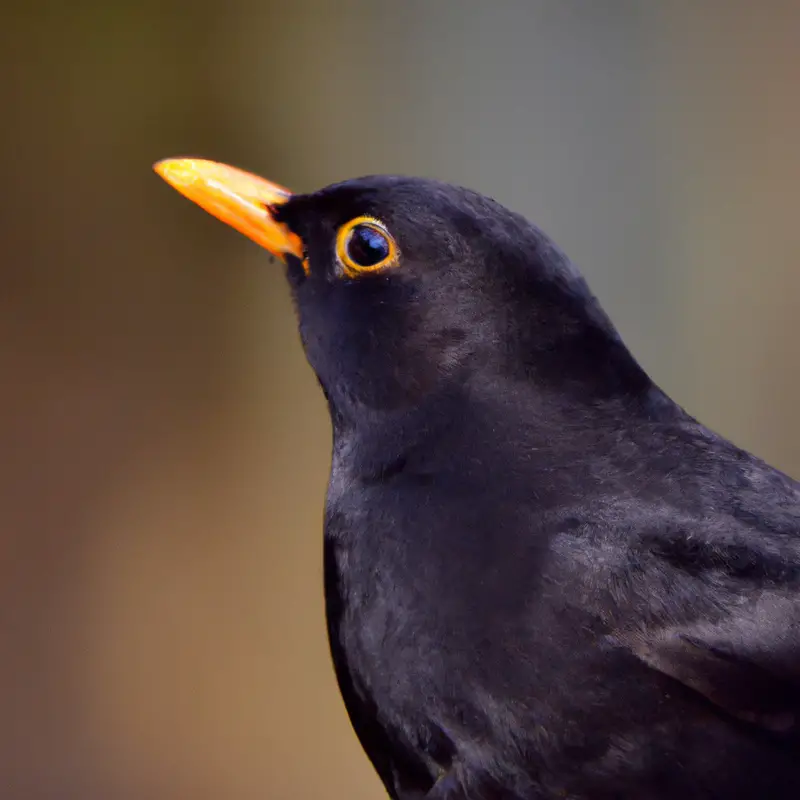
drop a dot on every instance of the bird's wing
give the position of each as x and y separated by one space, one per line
747 664
731 630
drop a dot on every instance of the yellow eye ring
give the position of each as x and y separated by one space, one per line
365 245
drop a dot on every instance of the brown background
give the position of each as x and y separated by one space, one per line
165 448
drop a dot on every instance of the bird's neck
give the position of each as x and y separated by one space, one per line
496 417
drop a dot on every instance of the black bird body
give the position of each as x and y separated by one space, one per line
495 605
543 578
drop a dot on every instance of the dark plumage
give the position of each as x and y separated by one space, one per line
544 579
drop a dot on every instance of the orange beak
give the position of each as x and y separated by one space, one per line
241 200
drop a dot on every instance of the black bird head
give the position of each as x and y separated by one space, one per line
407 288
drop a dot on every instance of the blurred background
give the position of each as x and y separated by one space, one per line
165 447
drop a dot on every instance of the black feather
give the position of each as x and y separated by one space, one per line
544 579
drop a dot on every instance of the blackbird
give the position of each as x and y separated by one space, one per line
543 577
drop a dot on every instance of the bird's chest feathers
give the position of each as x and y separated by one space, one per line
374 624
418 583
384 654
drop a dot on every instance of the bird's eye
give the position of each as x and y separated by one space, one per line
364 245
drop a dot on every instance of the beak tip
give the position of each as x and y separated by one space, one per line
175 171
160 168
